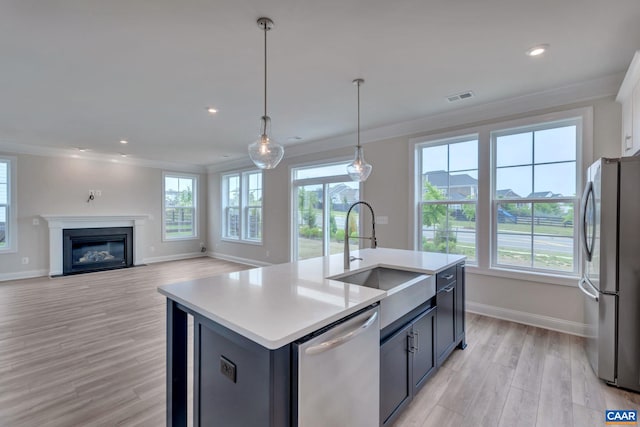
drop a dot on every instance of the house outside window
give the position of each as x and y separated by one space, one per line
242 199
180 206
447 199
8 222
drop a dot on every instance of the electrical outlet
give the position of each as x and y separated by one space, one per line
25 260
382 220
228 368
98 193
36 221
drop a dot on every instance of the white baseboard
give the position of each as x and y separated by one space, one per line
175 257
239 260
546 322
23 275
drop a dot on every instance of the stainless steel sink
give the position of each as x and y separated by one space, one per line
405 289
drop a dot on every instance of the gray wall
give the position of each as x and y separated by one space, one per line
60 186
387 189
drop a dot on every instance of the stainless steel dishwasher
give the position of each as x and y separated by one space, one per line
338 375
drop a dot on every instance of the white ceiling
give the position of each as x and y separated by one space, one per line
87 73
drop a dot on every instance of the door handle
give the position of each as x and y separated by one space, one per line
581 284
328 345
588 192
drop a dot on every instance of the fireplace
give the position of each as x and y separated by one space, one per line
59 223
96 249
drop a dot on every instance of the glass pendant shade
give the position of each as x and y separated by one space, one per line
265 153
359 169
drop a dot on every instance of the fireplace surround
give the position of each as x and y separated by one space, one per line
59 223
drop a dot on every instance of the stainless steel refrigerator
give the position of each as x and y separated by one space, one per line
610 239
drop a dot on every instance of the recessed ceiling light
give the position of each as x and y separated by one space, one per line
82 150
124 141
75 156
123 155
537 50
211 110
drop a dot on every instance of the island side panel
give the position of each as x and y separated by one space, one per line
239 382
176 365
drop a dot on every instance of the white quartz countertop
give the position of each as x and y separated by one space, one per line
279 304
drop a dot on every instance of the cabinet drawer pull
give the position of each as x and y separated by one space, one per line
416 344
449 289
448 277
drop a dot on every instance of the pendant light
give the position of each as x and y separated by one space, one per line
359 169
265 153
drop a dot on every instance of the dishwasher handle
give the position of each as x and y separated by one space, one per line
328 345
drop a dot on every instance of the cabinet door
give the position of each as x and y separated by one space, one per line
445 329
635 121
395 387
424 360
459 302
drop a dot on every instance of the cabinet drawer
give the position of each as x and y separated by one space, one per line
445 278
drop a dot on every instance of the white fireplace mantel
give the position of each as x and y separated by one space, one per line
57 223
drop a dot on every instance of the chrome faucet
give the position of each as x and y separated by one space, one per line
374 242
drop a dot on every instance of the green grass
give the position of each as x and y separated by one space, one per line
546 260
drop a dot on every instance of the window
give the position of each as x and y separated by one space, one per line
506 195
8 223
534 196
447 198
322 194
180 206
242 206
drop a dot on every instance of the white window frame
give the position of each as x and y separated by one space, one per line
11 234
196 216
243 206
575 200
484 215
418 146
325 181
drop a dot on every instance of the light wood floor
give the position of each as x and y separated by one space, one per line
90 350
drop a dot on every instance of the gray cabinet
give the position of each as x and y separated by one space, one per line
395 385
450 315
407 360
421 341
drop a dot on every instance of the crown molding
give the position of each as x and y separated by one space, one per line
37 150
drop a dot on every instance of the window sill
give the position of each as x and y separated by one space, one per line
179 239
525 276
246 242
8 251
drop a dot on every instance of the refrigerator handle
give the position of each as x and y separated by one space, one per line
588 192
581 284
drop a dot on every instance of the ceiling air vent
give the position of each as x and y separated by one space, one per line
460 96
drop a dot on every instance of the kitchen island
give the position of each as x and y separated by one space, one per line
245 324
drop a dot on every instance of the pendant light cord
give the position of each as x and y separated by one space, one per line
358 114
265 70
